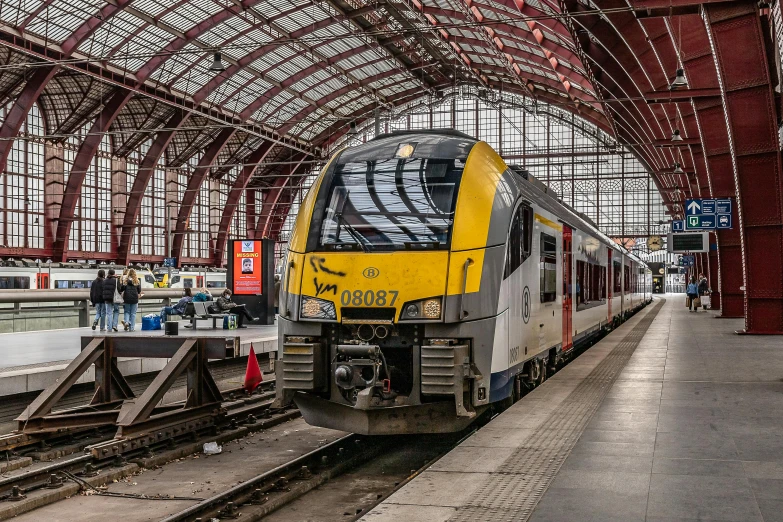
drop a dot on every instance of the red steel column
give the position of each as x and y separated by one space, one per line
143 177
252 161
737 37
714 275
194 185
81 164
699 65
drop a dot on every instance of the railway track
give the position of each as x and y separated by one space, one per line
25 490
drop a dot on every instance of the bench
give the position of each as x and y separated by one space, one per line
200 312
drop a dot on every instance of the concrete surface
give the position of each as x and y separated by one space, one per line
692 429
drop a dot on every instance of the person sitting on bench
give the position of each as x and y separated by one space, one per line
225 304
177 309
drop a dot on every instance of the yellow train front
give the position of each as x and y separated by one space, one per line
380 309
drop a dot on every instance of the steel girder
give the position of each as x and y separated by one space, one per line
699 65
740 53
145 173
240 184
275 196
18 113
81 164
194 185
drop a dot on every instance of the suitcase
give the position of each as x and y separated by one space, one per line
150 322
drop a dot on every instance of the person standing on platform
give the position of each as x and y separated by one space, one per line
177 309
225 304
704 289
692 291
96 297
131 292
110 284
277 294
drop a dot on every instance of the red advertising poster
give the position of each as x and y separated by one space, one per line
247 267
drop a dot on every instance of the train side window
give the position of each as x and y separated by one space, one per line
187 282
518 249
616 276
548 268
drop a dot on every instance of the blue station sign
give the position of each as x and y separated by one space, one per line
707 214
678 225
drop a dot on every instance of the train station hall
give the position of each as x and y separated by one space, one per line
391 260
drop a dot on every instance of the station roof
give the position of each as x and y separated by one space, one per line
293 74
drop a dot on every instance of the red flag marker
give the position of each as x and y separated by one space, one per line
253 376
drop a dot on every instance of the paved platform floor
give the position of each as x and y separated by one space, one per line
690 428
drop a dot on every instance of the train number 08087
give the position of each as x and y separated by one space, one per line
368 298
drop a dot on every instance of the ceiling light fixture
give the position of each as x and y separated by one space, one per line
678 169
679 80
352 129
217 63
676 135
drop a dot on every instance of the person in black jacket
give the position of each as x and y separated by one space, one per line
96 298
225 304
130 289
112 309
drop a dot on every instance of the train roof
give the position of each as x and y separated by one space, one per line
536 191
428 144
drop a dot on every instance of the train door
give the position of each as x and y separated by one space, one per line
609 284
200 281
42 281
568 330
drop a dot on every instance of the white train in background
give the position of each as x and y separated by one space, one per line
28 275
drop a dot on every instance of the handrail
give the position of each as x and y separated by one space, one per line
462 312
285 311
69 294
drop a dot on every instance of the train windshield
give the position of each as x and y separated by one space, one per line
393 204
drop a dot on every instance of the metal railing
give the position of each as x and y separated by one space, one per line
37 300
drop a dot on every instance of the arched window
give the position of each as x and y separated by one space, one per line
22 186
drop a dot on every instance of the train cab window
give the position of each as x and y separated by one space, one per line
149 279
390 204
175 279
519 239
548 283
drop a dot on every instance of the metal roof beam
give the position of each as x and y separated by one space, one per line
194 185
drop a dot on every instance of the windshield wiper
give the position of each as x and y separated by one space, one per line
352 231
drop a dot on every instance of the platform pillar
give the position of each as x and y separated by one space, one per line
748 100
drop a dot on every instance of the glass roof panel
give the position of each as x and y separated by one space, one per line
191 13
140 49
246 44
14 12
58 20
177 64
152 7
111 34
229 29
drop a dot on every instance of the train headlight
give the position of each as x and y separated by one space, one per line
424 309
313 308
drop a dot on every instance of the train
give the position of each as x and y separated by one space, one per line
426 281
26 274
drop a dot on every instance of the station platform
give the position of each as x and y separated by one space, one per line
30 361
671 417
